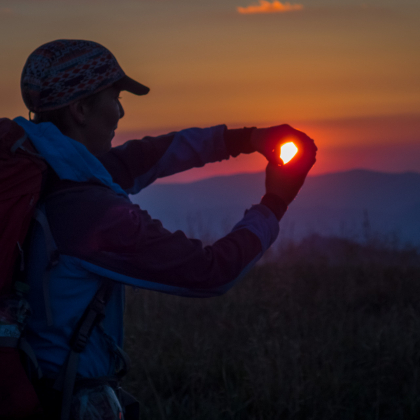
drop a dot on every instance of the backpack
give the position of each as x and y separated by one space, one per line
22 175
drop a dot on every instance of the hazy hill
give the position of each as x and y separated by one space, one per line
352 204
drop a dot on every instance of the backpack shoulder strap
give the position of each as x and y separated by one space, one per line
53 256
93 315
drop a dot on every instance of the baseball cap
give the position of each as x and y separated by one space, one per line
63 71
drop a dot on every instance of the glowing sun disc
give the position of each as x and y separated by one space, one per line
288 151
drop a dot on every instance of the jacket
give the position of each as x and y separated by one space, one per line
101 234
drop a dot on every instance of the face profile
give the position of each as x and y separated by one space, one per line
100 120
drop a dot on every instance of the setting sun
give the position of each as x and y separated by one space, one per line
288 151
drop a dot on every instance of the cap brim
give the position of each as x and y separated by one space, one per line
130 85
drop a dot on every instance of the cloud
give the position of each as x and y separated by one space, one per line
265 6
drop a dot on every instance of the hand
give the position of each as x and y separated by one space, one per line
285 181
268 141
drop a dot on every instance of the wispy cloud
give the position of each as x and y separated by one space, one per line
265 6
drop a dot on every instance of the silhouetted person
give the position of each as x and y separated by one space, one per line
72 87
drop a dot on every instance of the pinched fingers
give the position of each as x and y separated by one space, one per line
269 140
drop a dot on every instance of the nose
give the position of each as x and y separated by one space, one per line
121 109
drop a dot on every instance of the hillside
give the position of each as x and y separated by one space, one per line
352 204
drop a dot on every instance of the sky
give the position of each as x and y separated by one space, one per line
347 72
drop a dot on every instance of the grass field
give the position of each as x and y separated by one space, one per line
327 329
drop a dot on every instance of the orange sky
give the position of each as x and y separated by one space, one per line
346 72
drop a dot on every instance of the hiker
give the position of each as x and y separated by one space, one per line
90 237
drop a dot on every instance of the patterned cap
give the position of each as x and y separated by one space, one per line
63 71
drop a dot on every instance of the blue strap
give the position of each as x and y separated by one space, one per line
66 382
30 354
92 317
18 143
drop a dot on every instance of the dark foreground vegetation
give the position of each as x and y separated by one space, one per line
326 329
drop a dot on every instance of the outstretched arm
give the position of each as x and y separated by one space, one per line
138 163
115 238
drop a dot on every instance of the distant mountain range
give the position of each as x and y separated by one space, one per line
357 204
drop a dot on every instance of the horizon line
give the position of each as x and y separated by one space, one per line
161 181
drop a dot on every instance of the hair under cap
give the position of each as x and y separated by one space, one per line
63 71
